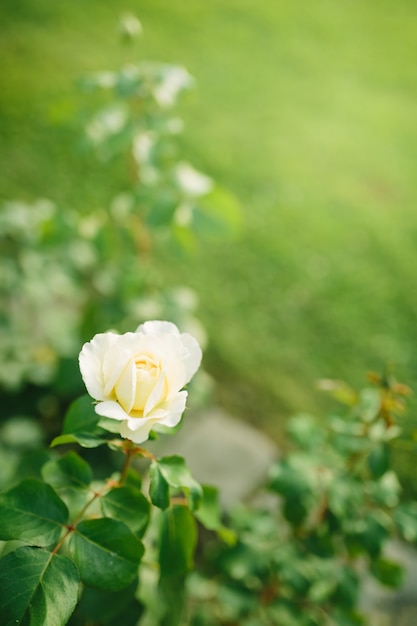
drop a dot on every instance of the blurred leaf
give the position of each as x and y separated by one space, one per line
32 512
158 488
379 460
347 590
68 471
369 404
387 572
110 608
405 516
305 431
37 588
322 589
386 491
177 542
128 505
209 512
162 209
346 617
106 553
217 214
178 476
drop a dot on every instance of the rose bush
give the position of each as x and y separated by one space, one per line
138 378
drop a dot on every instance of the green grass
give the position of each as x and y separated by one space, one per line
307 112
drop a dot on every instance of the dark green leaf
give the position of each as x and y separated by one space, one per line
110 608
81 425
32 512
128 505
178 476
379 460
68 471
209 514
106 553
347 591
387 572
37 588
80 417
133 479
346 617
178 541
158 488
172 594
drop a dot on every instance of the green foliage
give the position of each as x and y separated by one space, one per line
106 553
32 512
98 525
37 587
334 501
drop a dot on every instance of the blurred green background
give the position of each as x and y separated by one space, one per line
307 112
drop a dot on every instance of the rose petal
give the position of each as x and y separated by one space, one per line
156 396
125 388
192 355
91 359
175 410
111 409
139 435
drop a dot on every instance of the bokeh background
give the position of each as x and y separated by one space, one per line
307 113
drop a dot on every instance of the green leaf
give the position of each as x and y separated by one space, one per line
68 471
305 431
158 488
209 514
178 541
106 553
32 512
387 572
37 588
81 416
346 617
128 505
217 214
347 591
162 210
322 589
405 516
178 476
81 426
109 608
379 460
86 440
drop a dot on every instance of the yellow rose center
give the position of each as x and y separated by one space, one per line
136 383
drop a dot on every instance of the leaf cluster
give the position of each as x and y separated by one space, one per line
69 535
332 503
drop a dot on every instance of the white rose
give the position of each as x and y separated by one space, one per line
138 377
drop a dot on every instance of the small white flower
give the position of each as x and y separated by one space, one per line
138 378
